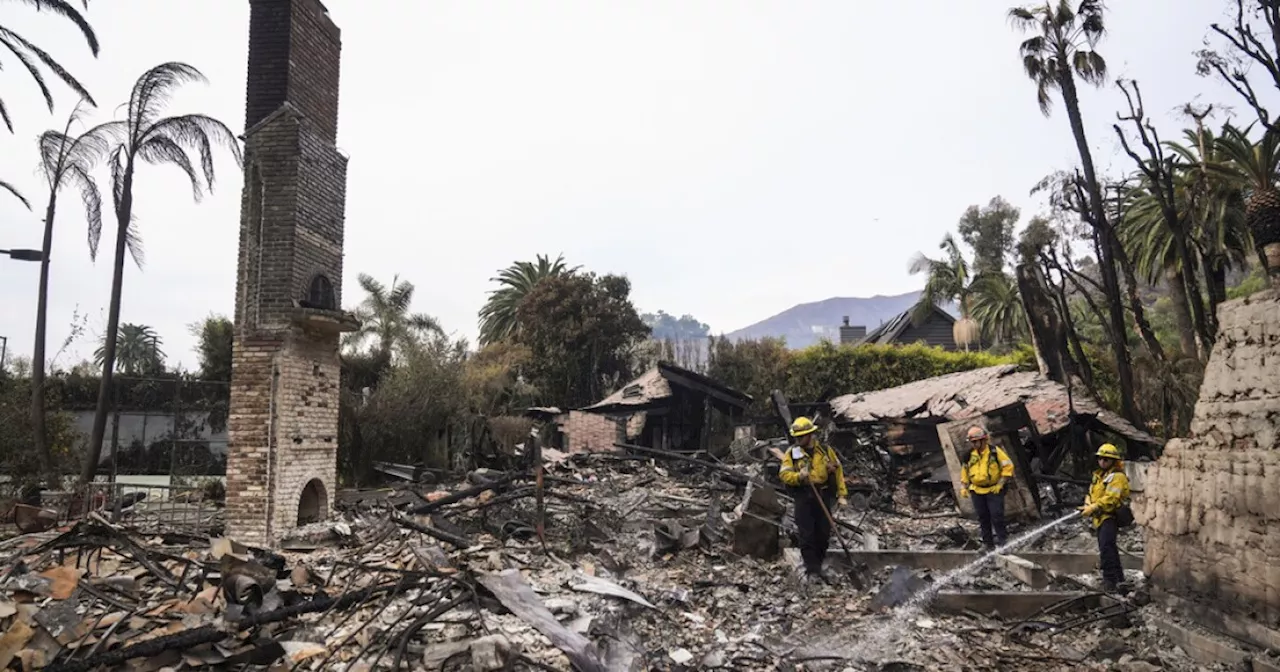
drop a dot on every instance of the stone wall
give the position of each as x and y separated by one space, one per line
591 432
1212 504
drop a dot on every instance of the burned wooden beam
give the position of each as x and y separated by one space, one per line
465 493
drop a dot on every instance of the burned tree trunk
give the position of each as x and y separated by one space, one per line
1047 332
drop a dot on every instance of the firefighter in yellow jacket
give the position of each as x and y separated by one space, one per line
1108 493
811 471
982 478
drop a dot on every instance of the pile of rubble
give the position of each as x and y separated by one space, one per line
607 562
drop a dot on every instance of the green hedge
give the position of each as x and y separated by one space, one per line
156 393
850 369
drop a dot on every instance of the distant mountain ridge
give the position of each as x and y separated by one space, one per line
808 323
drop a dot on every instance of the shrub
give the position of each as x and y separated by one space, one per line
18 457
853 369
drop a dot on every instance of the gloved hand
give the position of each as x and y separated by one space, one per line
964 493
804 474
1088 510
842 502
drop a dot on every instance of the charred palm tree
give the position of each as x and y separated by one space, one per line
66 161
1061 51
145 135
31 57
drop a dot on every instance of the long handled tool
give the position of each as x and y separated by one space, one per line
783 410
835 528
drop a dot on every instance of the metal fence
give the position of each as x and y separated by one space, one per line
149 509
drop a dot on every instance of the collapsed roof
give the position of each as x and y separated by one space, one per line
970 394
654 387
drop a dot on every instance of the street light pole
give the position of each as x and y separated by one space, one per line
4 350
24 255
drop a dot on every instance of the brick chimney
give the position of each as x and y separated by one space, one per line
850 335
294 56
283 421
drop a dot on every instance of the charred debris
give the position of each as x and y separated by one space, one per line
629 556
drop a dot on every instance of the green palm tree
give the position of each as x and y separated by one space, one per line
66 161
1144 232
30 56
1253 167
498 316
385 318
1216 210
947 279
145 135
1062 50
138 351
997 307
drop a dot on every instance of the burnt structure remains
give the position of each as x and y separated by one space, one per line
1212 504
283 421
667 407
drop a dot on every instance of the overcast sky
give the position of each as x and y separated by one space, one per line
731 158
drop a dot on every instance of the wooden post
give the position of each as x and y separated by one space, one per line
706 424
539 502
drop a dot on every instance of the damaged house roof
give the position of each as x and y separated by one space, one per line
654 387
969 394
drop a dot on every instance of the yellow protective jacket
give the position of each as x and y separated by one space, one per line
982 473
823 463
1109 490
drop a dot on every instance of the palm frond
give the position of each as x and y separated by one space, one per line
29 64
498 316
68 11
159 150
201 133
401 295
133 241
5 186
997 307
425 323
79 177
152 92
14 42
1022 18
1062 45
370 285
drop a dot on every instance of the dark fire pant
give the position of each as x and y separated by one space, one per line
990 510
1109 551
813 527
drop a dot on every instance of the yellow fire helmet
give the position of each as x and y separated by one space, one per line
803 426
1109 451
